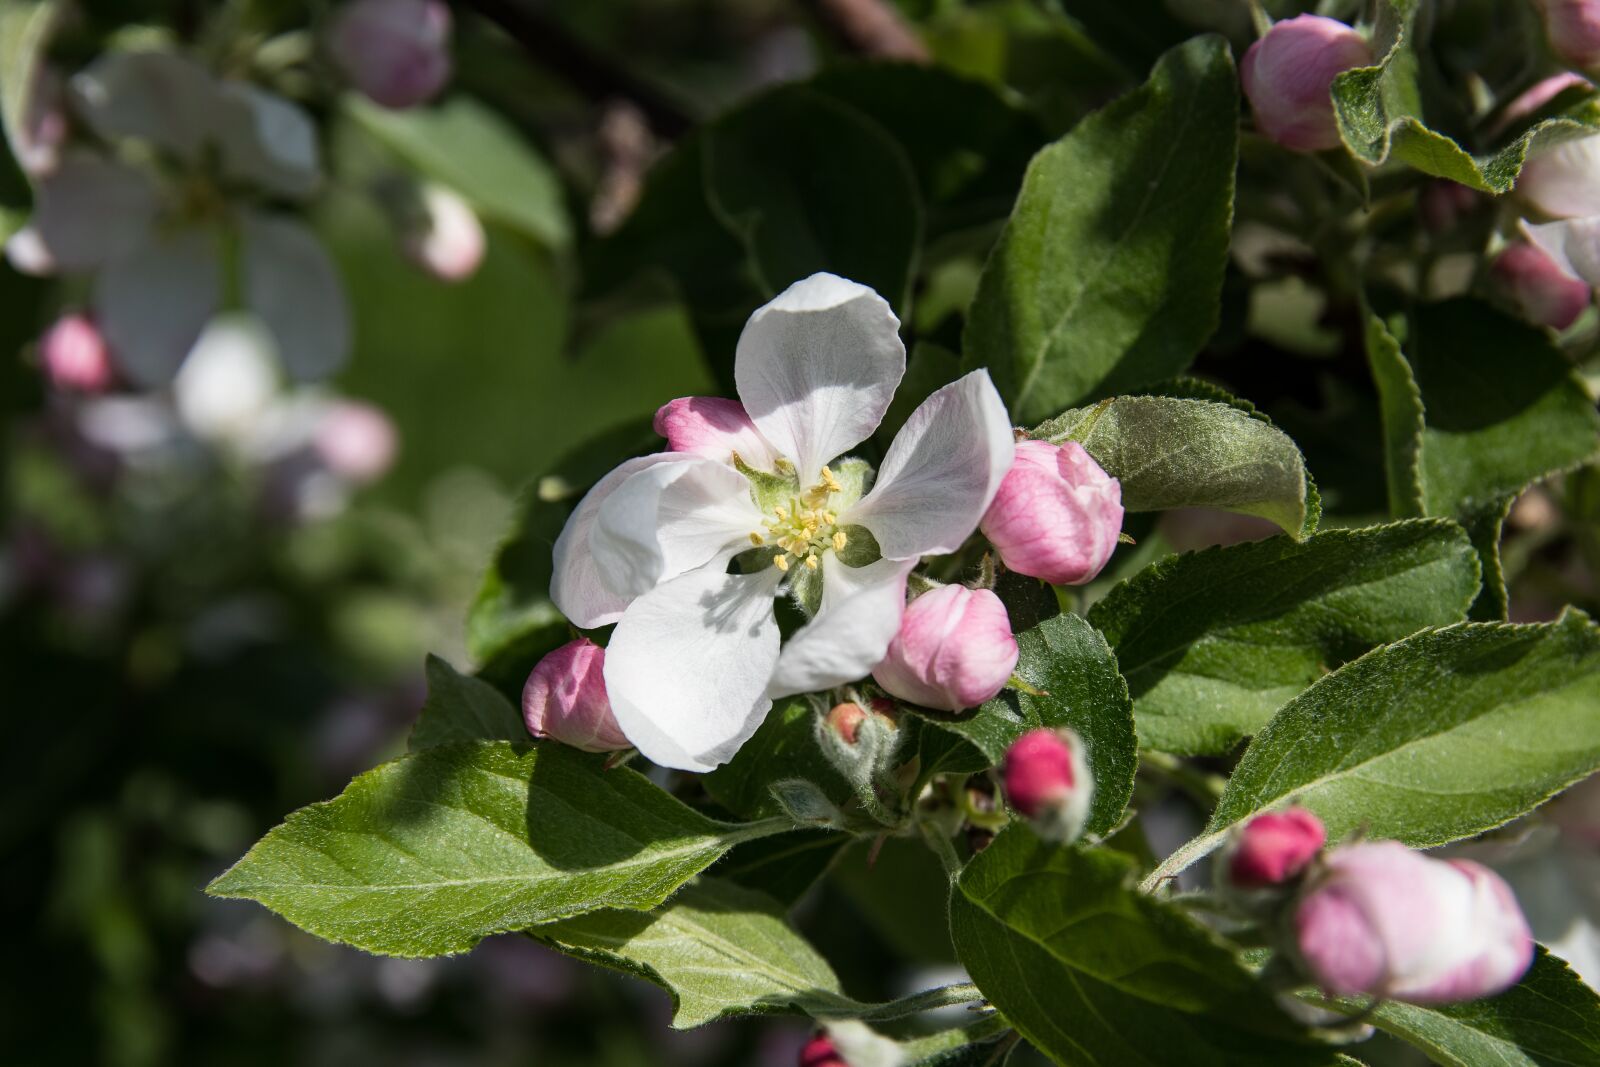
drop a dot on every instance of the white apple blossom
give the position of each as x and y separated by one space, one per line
686 550
155 237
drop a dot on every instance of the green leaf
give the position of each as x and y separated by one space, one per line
783 746
1379 111
718 949
1109 274
1440 736
1213 643
1503 406
1485 526
1549 1019
434 851
25 29
1068 661
464 145
462 708
1093 972
1400 406
783 866
1171 452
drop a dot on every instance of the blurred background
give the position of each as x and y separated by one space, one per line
218 582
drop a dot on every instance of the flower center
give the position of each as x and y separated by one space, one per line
805 528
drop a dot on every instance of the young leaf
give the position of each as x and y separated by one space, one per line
1212 643
1400 405
434 851
1485 526
1379 111
463 708
1069 663
1437 737
1095 973
1109 273
718 949
1171 452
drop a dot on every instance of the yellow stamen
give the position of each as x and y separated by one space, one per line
811 562
781 562
829 518
830 481
839 541
757 539
783 515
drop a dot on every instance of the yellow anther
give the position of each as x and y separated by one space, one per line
830 518
782 513
811 562
781 562
839 541
830 481
809 530
757 539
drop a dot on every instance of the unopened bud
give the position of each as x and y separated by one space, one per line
1560 181
1381 920
846 719
1047 781
74 355
820 1052
1573 27
1057 514
1274 848
356 441
954 650
565 699
445 237
1544 293
394 51
1288 75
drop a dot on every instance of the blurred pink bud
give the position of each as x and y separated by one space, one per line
715 428
565 699
1275 847
1538 95
356 441
1057 514
1573 27
1288 73
1443 204
954 650
1563 181
1382 920
74 355
1047 781
1541 290
819 1052
446 239
394 51
44 126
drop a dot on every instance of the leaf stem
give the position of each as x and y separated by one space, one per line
941 847
927 1000
1180 860
1204 787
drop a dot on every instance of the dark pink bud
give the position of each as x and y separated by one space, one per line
397 52
74 355
1540 289
819 1052
565 699
954 650
1275 847
1288 74
1047 781
1057 514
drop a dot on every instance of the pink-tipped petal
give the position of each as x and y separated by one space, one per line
715 428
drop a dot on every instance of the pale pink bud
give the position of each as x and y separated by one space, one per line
1537 96
445 239
954 650
1275 847
1563 181
1047 781
1573 27
1381 920
820 1052
713 427
565 699
1288 73
74 355
1541 290
1057 514
394 51
356 441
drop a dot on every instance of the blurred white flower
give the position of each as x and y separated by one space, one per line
443 236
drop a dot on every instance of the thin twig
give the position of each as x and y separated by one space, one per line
870 28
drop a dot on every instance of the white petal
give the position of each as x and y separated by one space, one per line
817 367
229 382
575 585
292 284
941 471
687 667
28 254
268 141
92 210
153 303
860 614
1574 245
668 519
158 97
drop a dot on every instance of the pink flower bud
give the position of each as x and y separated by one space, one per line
1537 96
846 719
819 1052
954 650
1275 847
356 441
1540 289
75 357
1047 781
1289 72
446 239
1057 514
394 51
1573 27
1563 181
565 699
715 428
1382 920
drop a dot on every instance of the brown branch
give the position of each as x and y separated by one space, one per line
872 28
